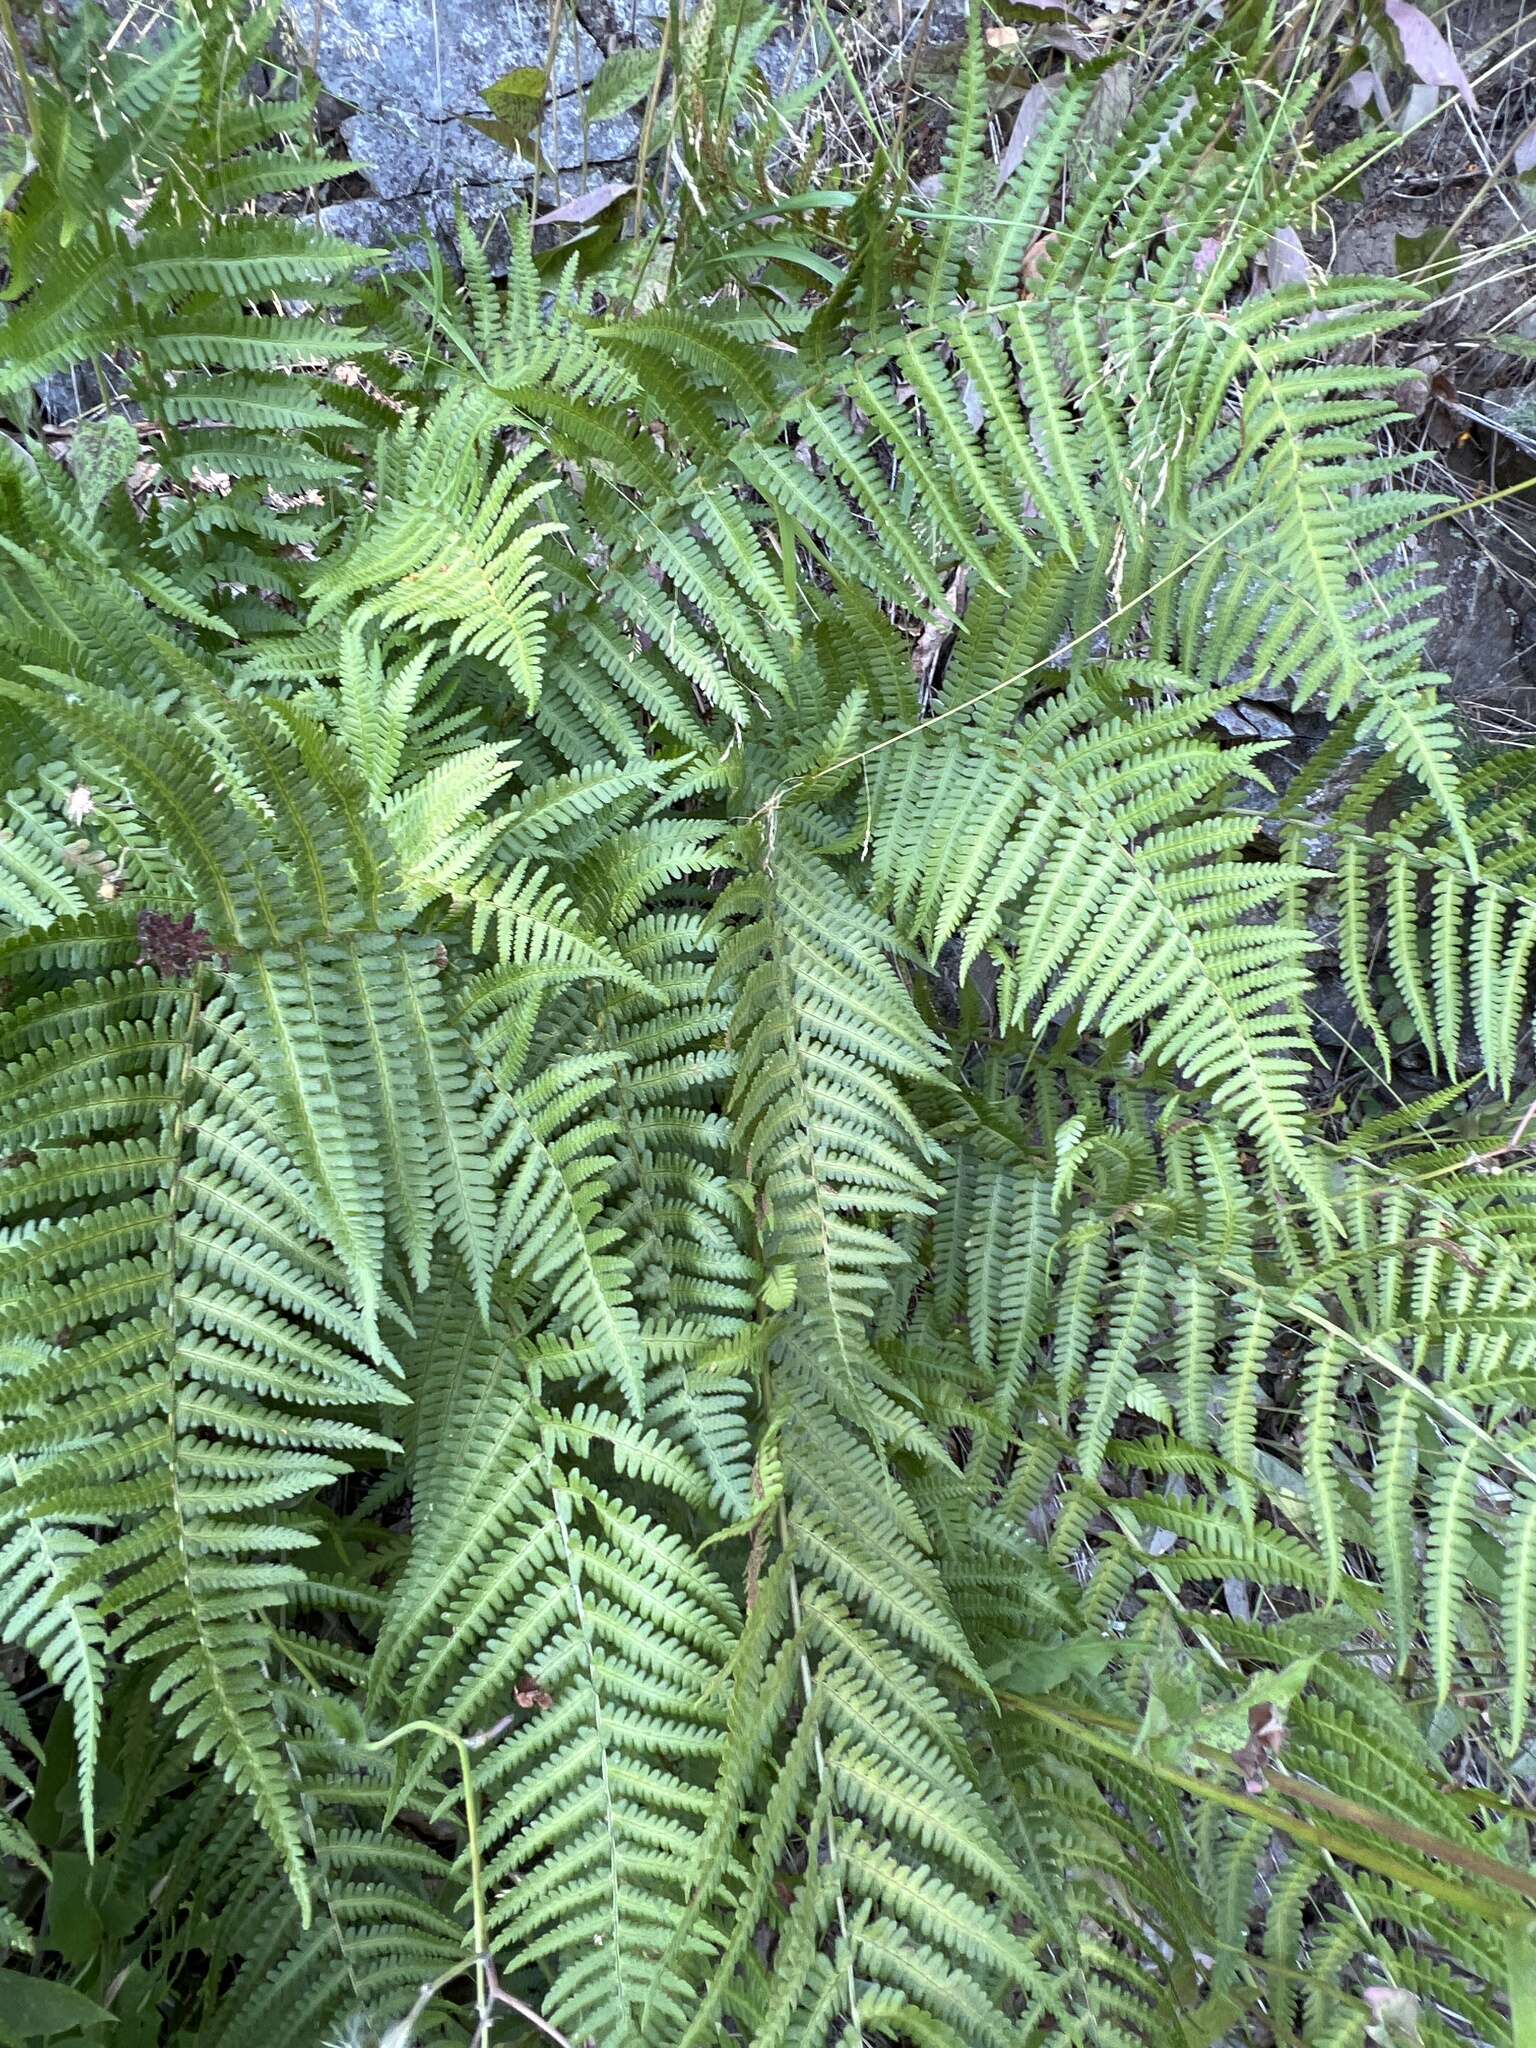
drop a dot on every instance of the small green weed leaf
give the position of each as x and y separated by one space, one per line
101 456
621 81
516 100
1431 259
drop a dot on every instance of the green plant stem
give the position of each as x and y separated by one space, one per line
23 74
1473 504
484 1977
1084 1725
489 1992
647 122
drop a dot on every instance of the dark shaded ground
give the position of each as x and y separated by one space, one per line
1474 406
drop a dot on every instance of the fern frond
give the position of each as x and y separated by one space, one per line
1085 838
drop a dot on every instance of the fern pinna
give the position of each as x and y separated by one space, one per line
694 1346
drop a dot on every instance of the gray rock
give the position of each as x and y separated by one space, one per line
398 225
69 394
788 61
407 157
1334 1019
1483 638
420 61
1510 409
944 22
1253 722
415 72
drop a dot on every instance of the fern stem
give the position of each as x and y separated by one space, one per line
821 1774
524 2011
1465 505
427 1993
485 1983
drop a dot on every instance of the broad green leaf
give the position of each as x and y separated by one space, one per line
1051 1665
32 2008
